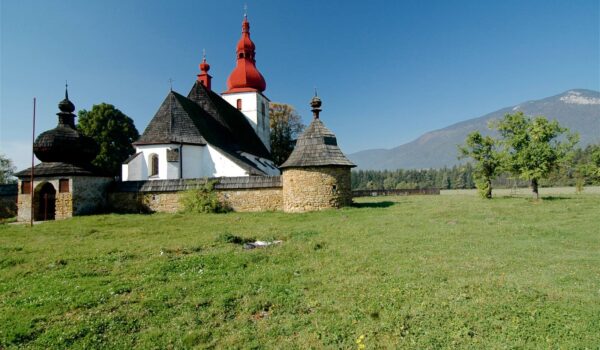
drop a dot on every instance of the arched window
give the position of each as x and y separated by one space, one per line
239 104
153 164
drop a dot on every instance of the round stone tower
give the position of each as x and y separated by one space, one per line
316 176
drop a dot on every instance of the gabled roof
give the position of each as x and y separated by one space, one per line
317 146
242 134
205 118
172 124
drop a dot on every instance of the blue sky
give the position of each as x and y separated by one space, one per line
387 71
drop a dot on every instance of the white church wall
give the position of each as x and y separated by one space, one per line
193 162
135 169
252 107
222 165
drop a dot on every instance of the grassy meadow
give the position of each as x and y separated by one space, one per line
395 272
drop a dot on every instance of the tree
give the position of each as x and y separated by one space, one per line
113 131
286 125
7 169
483 150
533 147
588 166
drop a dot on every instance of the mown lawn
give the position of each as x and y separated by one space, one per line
404 272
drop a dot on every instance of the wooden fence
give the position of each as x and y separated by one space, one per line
406 192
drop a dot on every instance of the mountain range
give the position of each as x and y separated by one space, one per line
578 110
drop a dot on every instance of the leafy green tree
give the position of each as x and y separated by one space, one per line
588 167
7 169
286 125
113 131
483 150
533 147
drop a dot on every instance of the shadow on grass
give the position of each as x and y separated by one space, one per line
384 204
554 198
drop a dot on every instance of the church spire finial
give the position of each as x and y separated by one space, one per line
204 78
315 103
66 90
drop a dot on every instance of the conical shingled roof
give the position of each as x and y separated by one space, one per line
317 146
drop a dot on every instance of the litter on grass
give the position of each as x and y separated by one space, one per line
260 244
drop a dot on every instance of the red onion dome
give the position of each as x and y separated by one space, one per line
245 76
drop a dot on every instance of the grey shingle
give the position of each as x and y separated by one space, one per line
317 146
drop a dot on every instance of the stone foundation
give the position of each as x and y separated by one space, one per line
316 188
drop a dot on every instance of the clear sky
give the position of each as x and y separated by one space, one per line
387 71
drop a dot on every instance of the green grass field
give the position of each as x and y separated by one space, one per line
396 272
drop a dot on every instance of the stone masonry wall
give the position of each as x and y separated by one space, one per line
240 194
316 188
88 194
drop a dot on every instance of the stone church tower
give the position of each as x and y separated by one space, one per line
316 176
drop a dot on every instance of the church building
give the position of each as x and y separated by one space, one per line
205 134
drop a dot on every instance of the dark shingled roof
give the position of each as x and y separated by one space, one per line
241 135
172 123
317 146
58 168
205 118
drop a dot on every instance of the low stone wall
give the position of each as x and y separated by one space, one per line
8 201
248 193
316 188
405 192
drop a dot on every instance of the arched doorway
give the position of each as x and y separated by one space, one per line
45 200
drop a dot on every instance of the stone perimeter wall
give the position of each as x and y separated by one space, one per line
243 194
8 200
316 188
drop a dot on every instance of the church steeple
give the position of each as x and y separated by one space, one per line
204 77
245 76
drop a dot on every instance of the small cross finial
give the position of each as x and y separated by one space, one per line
204 54
66 90
171 84
245 10
315 91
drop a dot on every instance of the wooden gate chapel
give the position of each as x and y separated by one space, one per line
65 183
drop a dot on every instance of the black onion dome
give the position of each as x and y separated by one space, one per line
66 106
64 143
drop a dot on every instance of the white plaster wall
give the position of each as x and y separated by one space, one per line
135 170
223 166
252 109
193 161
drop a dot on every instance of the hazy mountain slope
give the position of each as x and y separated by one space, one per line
579 110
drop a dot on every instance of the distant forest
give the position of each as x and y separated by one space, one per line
461 177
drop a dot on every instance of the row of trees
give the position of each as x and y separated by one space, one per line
457 177
527 148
